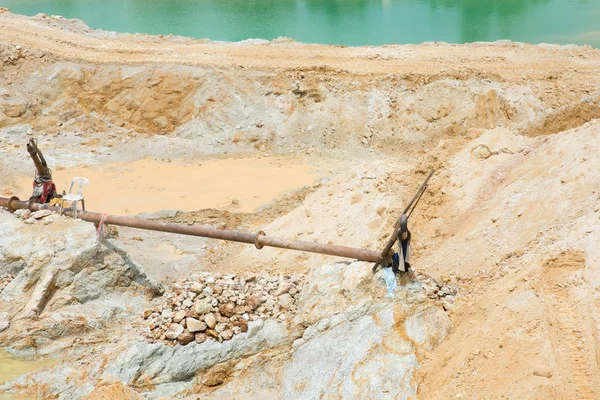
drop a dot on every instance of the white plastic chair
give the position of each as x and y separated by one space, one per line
75 197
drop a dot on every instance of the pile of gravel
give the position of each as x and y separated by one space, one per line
219 306
442 291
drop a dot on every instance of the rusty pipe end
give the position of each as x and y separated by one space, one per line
10 201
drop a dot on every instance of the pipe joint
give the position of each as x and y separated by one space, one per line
257 242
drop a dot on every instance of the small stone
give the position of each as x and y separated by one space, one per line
203 306
228 309
212 333
49 219
270 304
200 337
161 122
178 316
207 291
147 313
197 287
447 291
185 338
286 301
15 110
447 306
252 302
30 221
40 214
194 325
220 327
24 213
173 331
482 152
242 324
187 303
210 320
226 335
543 374
283 288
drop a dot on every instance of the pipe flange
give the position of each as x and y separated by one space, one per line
257 243
10 201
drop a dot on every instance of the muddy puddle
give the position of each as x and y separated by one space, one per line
238 184
11 368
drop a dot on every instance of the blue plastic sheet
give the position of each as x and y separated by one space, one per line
390 281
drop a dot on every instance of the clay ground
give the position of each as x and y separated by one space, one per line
511 215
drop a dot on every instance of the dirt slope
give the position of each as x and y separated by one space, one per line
520 235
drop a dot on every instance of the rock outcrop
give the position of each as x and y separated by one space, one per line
59 281
347 338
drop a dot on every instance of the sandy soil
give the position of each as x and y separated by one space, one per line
511 215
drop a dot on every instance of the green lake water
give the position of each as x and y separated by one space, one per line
345 22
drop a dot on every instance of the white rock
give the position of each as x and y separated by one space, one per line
210 320
178 316
207 291
23 213
196 287
194 325
283 288
173 331
286 301
203 306
41 214
361 338
220 327
270 304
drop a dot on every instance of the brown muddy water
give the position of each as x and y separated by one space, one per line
148 185
12 367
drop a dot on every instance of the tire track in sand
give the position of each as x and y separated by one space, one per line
572 331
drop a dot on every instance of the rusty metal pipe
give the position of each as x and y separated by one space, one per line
258 239
392 239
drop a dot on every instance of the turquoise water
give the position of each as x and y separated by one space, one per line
345 22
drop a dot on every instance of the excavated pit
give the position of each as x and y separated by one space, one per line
321 144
